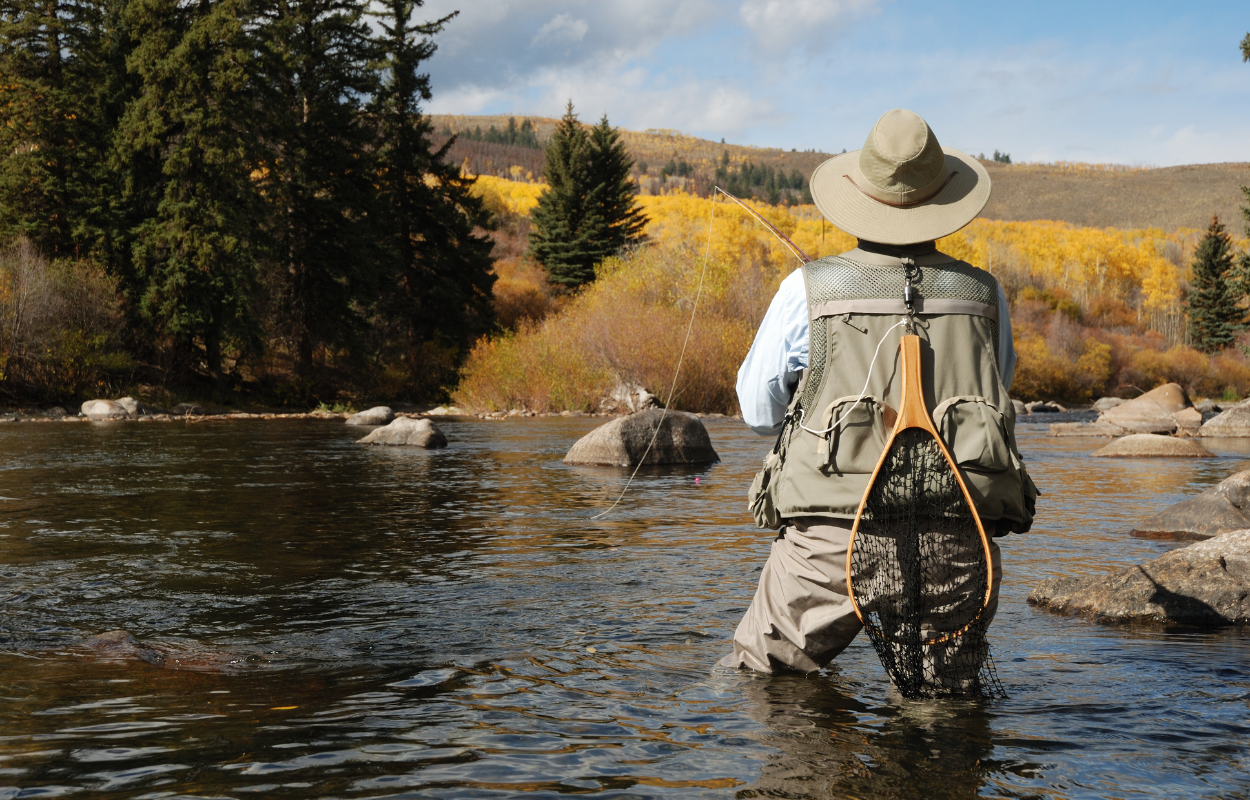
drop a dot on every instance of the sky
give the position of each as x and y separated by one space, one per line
1143 83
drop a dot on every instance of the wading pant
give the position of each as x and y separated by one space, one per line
801 617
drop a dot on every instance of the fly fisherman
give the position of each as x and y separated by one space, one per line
829 330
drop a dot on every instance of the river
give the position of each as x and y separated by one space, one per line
368 622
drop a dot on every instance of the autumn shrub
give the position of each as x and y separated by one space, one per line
58 327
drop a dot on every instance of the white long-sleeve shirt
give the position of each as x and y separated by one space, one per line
770 373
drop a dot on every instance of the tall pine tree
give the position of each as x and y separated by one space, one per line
188 144
588 213
614 191
54 139
1214 318
441 279
319 184
566 224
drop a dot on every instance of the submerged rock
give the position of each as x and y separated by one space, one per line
1153 412
681 439
122 645
104 409
378 415
1221 509
1151 445
406 432
1234 421
1086 429
1205 584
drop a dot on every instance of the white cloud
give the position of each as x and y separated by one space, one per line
779 26
561 29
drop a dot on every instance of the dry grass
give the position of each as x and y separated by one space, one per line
1169 198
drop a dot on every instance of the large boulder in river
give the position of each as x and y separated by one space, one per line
1234 421
406 432
681 439
1152 445
1223 508
1154 412
378 415
1207 584
104 409
1107 403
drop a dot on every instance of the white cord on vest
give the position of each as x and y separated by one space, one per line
862 395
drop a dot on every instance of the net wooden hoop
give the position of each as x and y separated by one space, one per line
914 413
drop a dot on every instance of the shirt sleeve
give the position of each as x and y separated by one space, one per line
768 376
1006 347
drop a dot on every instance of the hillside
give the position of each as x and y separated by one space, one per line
1165 197
1087 195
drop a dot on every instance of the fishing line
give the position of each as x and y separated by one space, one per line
707 253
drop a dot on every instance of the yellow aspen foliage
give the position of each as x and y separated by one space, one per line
1095 311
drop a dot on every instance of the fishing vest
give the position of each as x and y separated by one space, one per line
830 444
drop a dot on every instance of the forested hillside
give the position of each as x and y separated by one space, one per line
1083 194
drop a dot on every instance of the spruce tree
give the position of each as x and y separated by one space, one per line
53 140
610 167
566 225
1214 318
440 278
588 213
322 269
187 145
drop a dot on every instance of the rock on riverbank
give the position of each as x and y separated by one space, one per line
1151 445
378 415
1164 409
1206 584
1221 509
1234 421
681 439
406 432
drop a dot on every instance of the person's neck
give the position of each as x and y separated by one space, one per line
898 250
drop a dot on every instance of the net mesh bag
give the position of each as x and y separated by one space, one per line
919 574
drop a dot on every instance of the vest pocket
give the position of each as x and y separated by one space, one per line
762 495
975 433
857 439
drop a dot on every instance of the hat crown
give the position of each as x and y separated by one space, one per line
901 155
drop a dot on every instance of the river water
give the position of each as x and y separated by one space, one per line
365 622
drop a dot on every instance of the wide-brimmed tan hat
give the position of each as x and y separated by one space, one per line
903 187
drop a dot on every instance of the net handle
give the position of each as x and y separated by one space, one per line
914 413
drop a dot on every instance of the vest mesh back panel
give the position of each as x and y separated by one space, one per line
837 278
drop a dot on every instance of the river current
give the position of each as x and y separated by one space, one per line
364 622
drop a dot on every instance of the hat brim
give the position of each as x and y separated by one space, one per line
958 203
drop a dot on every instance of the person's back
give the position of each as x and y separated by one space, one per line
823 377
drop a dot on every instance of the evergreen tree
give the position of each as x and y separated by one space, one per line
566 226
187 144
1214 318
588 213
54 139
322 268
610 167
441 268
